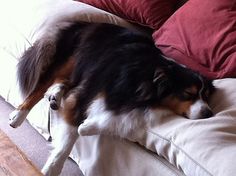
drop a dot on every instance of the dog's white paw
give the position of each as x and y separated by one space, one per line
51 171
17 117
55 94
88 129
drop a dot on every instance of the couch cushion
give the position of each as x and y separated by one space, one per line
102 155
202 35
145 12
198 147
203 147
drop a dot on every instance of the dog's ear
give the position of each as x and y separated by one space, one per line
159 74
209 85
162 83
144 91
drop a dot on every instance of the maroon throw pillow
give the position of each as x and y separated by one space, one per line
202 35
151 13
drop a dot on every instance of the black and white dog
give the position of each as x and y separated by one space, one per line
105 78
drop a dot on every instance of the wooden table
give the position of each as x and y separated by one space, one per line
13 162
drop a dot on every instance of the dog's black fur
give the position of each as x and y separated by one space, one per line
114 76
122 64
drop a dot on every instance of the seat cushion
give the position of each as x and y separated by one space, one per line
202 36
198 147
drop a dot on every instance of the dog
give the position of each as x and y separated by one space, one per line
105 78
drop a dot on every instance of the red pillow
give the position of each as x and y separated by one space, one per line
202 36
151 13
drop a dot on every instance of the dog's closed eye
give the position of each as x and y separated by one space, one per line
187 95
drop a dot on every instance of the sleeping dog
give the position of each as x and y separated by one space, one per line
102 77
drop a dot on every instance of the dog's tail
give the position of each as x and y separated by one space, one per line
53 48
33 63
37 59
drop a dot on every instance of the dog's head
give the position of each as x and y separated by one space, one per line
183 91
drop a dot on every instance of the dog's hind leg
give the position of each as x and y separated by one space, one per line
54 94
58 79
60 85
64 141
17 117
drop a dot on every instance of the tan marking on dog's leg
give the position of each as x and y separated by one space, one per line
60 74
69 109
17 117
61 84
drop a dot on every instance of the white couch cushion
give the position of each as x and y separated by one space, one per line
198 147
202 147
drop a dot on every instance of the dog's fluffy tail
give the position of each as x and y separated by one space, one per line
41 55
54 46
32 64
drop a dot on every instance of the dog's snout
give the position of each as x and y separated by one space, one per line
200 110
206 113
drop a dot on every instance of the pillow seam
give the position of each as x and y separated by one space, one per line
173 170
180 149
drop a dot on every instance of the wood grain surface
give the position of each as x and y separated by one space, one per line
13 162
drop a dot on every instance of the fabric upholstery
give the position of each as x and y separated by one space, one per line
203 147
111 156
15 38
197 147
202 36
145 12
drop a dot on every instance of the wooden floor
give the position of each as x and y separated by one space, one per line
33 145
12 161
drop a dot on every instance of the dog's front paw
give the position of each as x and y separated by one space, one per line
17 117
88 129
50 171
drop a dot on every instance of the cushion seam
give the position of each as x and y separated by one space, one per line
181 150
173 170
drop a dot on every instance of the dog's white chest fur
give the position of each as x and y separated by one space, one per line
102 121
99 120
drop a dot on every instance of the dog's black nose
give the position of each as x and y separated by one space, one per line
206 113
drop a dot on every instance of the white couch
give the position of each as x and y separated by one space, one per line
173 145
